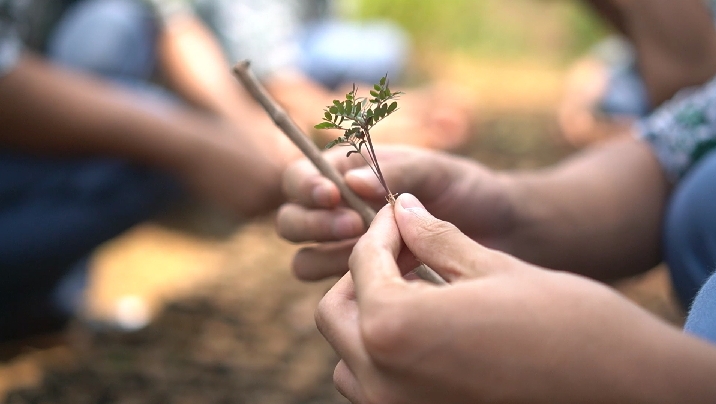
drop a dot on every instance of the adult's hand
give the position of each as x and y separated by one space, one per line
502 331
454 189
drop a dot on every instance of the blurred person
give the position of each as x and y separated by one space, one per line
659 49
112 109
307 56
91 146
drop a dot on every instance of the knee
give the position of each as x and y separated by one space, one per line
690 230
113 38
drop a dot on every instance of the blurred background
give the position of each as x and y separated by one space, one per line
194 308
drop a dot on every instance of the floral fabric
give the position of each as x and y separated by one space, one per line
683 130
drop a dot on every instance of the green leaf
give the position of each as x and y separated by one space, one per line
379 112
349 107
384 80
377 87
335 142
333 110
328 116
393 106
326 125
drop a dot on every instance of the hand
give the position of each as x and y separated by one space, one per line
503 331
453 188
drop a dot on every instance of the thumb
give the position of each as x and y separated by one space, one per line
441 245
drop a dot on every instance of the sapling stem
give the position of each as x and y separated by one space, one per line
242 71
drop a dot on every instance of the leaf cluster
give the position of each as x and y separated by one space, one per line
355 116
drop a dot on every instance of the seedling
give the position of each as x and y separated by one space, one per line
356 116
358 139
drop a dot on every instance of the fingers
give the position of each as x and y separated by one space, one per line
328 260
337 320
299 224
373 261
440 244
405 170
323 261
303 184
347 384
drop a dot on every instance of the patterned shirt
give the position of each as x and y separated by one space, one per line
682 130
265 31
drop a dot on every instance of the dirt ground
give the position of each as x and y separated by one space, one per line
230 324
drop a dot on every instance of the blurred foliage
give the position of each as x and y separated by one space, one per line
557 30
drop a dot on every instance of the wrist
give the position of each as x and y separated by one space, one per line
481 202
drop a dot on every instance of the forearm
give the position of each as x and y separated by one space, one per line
196 68
664 366
598 213
46 110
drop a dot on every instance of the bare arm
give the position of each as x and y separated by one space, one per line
600 210
196 68
49 110
46 110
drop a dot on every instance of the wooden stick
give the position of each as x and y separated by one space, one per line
243 72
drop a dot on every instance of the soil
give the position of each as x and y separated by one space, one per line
247 334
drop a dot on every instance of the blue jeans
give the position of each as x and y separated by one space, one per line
690 245
55 211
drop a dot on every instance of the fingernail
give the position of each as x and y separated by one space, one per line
410 202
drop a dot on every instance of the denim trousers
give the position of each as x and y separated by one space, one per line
690 246
55 211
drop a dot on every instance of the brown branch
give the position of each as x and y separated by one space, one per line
279 116
243 72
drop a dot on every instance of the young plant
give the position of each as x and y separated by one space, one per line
356 116
358 139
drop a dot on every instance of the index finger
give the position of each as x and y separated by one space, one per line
373 262
304 184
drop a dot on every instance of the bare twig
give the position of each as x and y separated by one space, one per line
243 72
